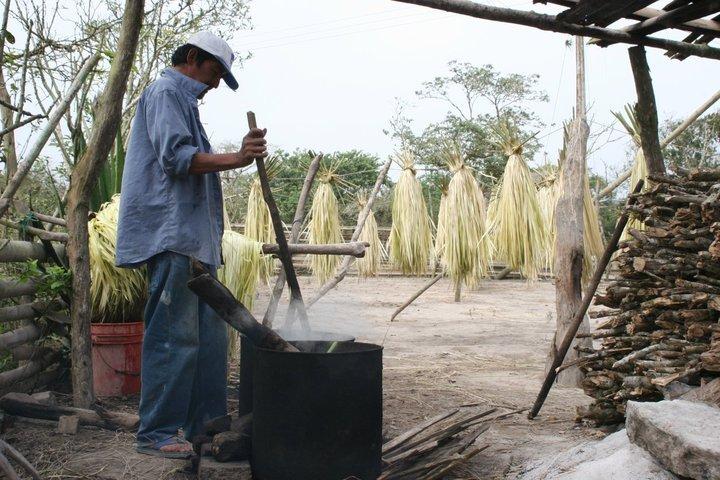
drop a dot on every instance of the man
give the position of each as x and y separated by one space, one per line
171 210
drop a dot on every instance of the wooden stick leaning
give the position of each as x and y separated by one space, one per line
347 261
219 298
424 288
294 236
587 299
296 299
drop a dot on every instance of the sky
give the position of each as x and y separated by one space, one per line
325 75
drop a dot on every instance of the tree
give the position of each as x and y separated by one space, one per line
108 117
698 146
479 99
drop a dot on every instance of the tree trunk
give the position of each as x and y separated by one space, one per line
646 111
84 176
569 249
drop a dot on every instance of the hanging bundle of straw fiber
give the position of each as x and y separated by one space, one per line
441 229
548 194
369 265
518 229
324 226
639 169
242 261
410 242
118 294
466 248
258 224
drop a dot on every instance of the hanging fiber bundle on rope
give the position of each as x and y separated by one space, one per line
117 293
242 261
410 242
258 224
639 169
518 230
441 229
324 226
466 248
369 265
548 194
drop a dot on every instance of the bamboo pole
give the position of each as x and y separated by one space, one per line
44 135
551 23
586 301
347 261
294 236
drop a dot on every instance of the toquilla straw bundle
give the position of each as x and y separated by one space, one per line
465 248
324 226
369 265
410 242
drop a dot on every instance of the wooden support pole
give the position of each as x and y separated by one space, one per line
21 250
296 299
424 288
586 301
294 236
83 180
458 291
347 261
553 24
569 245
646 111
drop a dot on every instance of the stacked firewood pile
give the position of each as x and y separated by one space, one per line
660 332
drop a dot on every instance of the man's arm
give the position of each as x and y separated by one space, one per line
253 146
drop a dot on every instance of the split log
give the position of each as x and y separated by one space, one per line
9 289
220 299
19 336
23 405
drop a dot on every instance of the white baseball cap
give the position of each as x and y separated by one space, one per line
218 48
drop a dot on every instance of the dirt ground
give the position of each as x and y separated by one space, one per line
489 349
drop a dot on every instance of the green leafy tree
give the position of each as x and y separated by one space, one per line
698 146
479 100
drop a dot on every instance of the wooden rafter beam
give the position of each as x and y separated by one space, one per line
551 23
669 19
602 12
699 26
673 17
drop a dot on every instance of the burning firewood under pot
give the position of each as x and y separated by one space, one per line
311 408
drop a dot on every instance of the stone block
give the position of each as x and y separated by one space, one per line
681 435
68 424
211 469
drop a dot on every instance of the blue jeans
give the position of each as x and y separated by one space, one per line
184 355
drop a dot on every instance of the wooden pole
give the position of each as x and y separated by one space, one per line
551 23
354 249
84 178
424 288
294 236
45 132
296 299
347 261
666 141
569 245
587 300
646 111
458 291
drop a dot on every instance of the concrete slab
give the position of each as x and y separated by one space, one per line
681 435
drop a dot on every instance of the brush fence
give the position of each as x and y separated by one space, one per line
26 321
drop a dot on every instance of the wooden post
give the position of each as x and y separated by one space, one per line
296 299
294 236
84 177
569 249
458 291
646 111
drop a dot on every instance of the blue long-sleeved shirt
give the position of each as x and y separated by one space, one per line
162 206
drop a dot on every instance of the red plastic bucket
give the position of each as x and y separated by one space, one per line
116 352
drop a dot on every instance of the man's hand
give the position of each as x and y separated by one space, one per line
254 145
